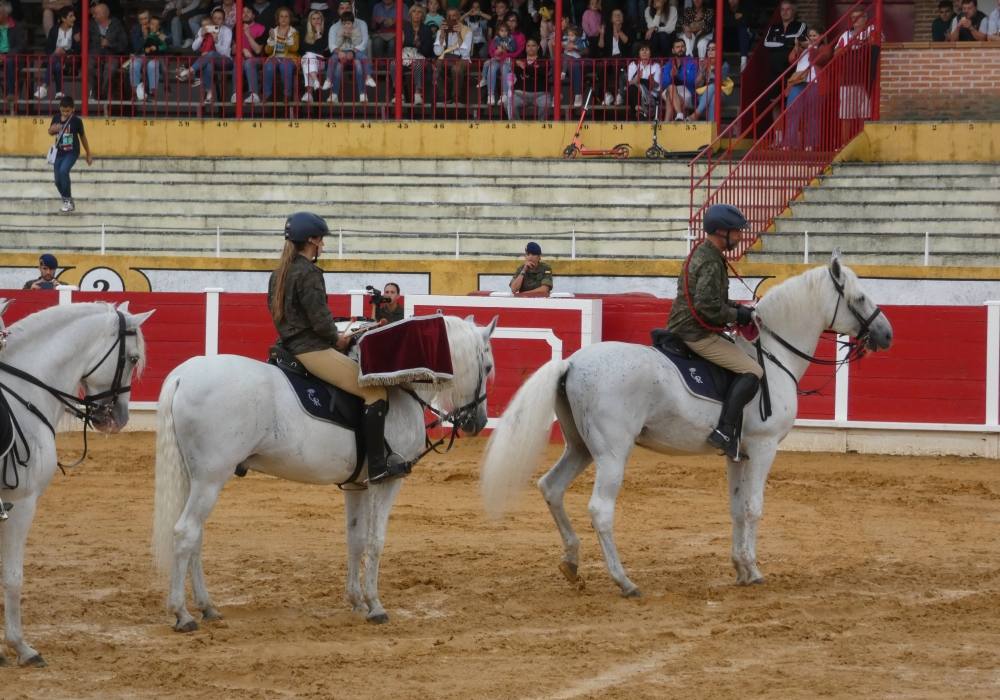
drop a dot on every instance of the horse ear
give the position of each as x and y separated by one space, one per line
835 263
488 330
123 307
143 317
4 303
470 319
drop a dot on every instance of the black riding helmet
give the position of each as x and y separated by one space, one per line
725 217
303 225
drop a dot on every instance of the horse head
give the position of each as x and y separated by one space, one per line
472 358
854 312
107 386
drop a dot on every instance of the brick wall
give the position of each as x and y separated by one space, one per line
926 81
924 12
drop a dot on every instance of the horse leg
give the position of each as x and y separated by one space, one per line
187 544
607 482
381 497
201 597
356 512
746 506
13 536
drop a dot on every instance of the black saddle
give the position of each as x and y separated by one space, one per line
703 378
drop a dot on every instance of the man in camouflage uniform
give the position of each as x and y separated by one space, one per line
702 311
533 278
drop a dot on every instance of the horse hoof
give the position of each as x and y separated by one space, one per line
189 626
211 615
757 581
569 570
37 661
632 593
379 619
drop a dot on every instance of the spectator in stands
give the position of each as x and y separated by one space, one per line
500 10
253 47
67 127
531 85
527 15
592 22
706 86
779 41
418 47
661 23
187 21
266 10
856 74
390 310
453 48
689 39
644 75
614 42
737 27
941 26
282 50
51 10
214 40
346 38
47 267
434 17
229 7
108 41
315 49
701 21
478 21
574 46
533 278
142 61
383 37
502 52
63 41
677 81
971 25
994 25
513 22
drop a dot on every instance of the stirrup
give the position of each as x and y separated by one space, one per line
730 446
393 469
4 507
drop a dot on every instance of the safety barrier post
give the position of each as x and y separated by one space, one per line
993 364
843 380
212 320
66 293
218 241
927 248
457 244
805 247
103 235
340 244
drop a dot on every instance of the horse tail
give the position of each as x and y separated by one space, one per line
519 439
172 479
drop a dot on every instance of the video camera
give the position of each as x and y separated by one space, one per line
376 296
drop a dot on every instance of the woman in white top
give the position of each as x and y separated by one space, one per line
643 81
661 23
802 101
63 41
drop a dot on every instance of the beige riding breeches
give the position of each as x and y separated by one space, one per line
722 352
341 371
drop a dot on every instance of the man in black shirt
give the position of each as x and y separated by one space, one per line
780 39
970 25
941 26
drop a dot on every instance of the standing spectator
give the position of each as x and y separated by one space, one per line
707 86
434 17
531 85
534 277
941 26
253 47
139 63
779 41
614 43
737 23
383 37
12 41
67 127
282 49
390 310
502 51
315 49
51 10
453 48
63 41
644 77
108 41
855 101
661 23
803 90
574 46
47 267
994 25
418 46
592 22
215 41
678 79
971 25
479 22
345 38
701 21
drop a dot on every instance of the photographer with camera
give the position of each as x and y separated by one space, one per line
533 278
386 304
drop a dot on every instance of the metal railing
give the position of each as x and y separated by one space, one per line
759 167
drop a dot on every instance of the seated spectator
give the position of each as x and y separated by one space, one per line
147 41
592 22
614 42
383 36
390 310
502 52
63 41
531 85
941 26
513 22
47 267
970 25
282 50
185 20
706 85
574 46
453 48
315 49
687 35
701 21
229 7
253 48
434 17
644 77
108 41
51 10
418 47
677 82
994 25
661 23
478 21
347 39
214 41
533 278
737 27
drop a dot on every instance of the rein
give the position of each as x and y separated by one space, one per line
460 415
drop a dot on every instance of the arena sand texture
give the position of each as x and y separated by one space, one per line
883 581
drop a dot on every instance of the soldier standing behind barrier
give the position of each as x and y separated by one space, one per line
533 278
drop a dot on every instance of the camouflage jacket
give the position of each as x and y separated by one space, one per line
533 279
707 281
307 325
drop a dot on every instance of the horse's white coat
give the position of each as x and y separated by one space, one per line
218 412
619 395
58 346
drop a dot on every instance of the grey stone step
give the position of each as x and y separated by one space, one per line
882 242
911 169
914 182
895 225
894 258
945 197
901 209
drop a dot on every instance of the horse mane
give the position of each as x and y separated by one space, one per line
784 300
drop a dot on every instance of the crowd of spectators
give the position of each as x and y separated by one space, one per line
962 20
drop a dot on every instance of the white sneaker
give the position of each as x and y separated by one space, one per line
491 100
363 98
252 99
66 206
619 100
418 99
608 99
140 92
326 85
186 44
562 76
578 101
680 118
307 97
333 98
59 96
183 74
743 63
208 99
370 81
41 93
482 82
196 82
315 83
232 99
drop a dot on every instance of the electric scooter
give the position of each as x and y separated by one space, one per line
656 150
577 149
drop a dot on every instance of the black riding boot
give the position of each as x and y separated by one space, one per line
380 467
725 436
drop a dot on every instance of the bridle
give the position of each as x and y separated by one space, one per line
89 408
457 417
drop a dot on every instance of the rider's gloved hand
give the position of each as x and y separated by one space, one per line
744 315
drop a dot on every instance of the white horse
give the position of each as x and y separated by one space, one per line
49 356
612 396
219 413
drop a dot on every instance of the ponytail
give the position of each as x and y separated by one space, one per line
278 299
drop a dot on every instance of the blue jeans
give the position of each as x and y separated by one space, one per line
54 73
286 67
152 72
706 103
335 72
574 66
802 117
250 71
64 163
206 65
503 67
9 73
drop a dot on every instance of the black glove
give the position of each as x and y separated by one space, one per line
744 315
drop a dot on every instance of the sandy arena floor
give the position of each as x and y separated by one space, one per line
883 581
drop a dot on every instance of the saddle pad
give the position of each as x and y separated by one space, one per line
701 377
412 350
322 401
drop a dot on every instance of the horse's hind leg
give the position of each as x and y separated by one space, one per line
746 506
607 483
201 597
187 547
13 535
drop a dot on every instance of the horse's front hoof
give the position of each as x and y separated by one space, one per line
632 593
379 619
569 570
36 661
189 626
758 581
